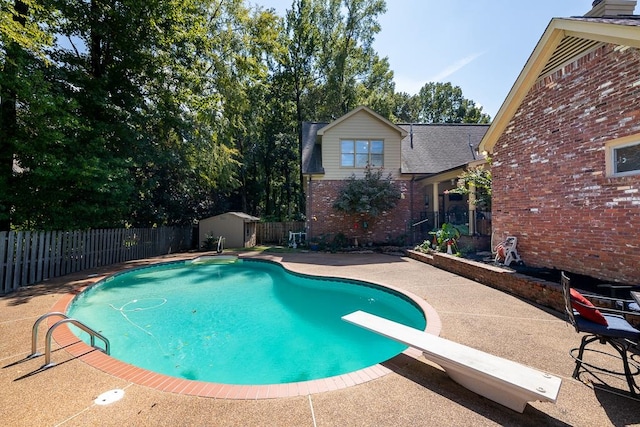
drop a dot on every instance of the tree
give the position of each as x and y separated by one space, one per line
347 31
370 196
406 108
24 33
444 103
122 112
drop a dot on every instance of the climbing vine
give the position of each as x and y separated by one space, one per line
480 178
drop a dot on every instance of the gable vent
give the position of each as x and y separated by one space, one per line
568 50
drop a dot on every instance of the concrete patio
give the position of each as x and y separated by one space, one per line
416 392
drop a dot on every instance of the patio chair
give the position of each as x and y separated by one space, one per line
605 325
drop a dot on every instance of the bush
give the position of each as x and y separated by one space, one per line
210 243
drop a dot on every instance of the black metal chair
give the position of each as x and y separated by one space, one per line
618 333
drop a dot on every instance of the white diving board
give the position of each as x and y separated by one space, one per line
504 381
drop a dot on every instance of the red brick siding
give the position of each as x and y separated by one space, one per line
323 219
549 179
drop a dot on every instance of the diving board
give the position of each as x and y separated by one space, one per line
504 381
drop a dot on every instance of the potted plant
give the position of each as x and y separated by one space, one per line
446 238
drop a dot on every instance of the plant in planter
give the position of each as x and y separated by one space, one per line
446 238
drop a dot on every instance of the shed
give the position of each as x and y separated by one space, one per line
237 228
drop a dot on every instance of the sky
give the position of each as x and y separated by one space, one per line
479 45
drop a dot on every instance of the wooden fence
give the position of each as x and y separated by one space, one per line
277 232
29 257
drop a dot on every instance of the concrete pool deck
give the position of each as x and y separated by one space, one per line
415 392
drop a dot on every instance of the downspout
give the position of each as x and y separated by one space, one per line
411 212
310 215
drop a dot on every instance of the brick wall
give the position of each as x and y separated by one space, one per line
323 219
550 187
542 292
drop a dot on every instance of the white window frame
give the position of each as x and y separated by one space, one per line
610 155
361 147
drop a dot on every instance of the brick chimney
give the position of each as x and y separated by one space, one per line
611 8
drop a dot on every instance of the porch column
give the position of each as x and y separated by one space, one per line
436 205
472 209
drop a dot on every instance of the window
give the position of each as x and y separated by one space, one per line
623 157
360 152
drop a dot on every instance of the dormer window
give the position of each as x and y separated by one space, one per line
359 153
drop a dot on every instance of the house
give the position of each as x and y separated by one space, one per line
565 148
237 228
424 161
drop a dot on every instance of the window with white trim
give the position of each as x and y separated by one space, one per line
623 157
359 153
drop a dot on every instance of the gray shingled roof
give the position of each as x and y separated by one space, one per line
439 147
630 20
311 153
436 147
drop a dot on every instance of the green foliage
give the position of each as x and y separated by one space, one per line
477 180
438 103
446 235
371 195
27 24
161 112
210 242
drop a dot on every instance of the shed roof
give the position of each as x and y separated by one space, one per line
245 217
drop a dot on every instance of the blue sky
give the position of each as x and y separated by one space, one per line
479 45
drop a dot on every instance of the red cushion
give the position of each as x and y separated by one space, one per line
586 309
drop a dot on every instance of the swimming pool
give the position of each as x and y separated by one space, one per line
250 322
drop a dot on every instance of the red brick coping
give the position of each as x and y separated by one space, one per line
78 349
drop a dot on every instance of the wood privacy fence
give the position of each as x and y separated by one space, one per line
28 257
277 232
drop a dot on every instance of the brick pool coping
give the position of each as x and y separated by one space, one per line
99 360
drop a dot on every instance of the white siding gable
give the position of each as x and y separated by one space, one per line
365 126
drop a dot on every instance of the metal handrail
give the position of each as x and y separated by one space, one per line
91 332
34 332
66 319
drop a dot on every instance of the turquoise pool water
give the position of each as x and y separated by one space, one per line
249 322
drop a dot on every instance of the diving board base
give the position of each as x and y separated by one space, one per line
504 381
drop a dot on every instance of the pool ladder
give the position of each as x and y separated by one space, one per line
65 319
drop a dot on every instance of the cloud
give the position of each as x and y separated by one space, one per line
451 69
408 85
412 84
